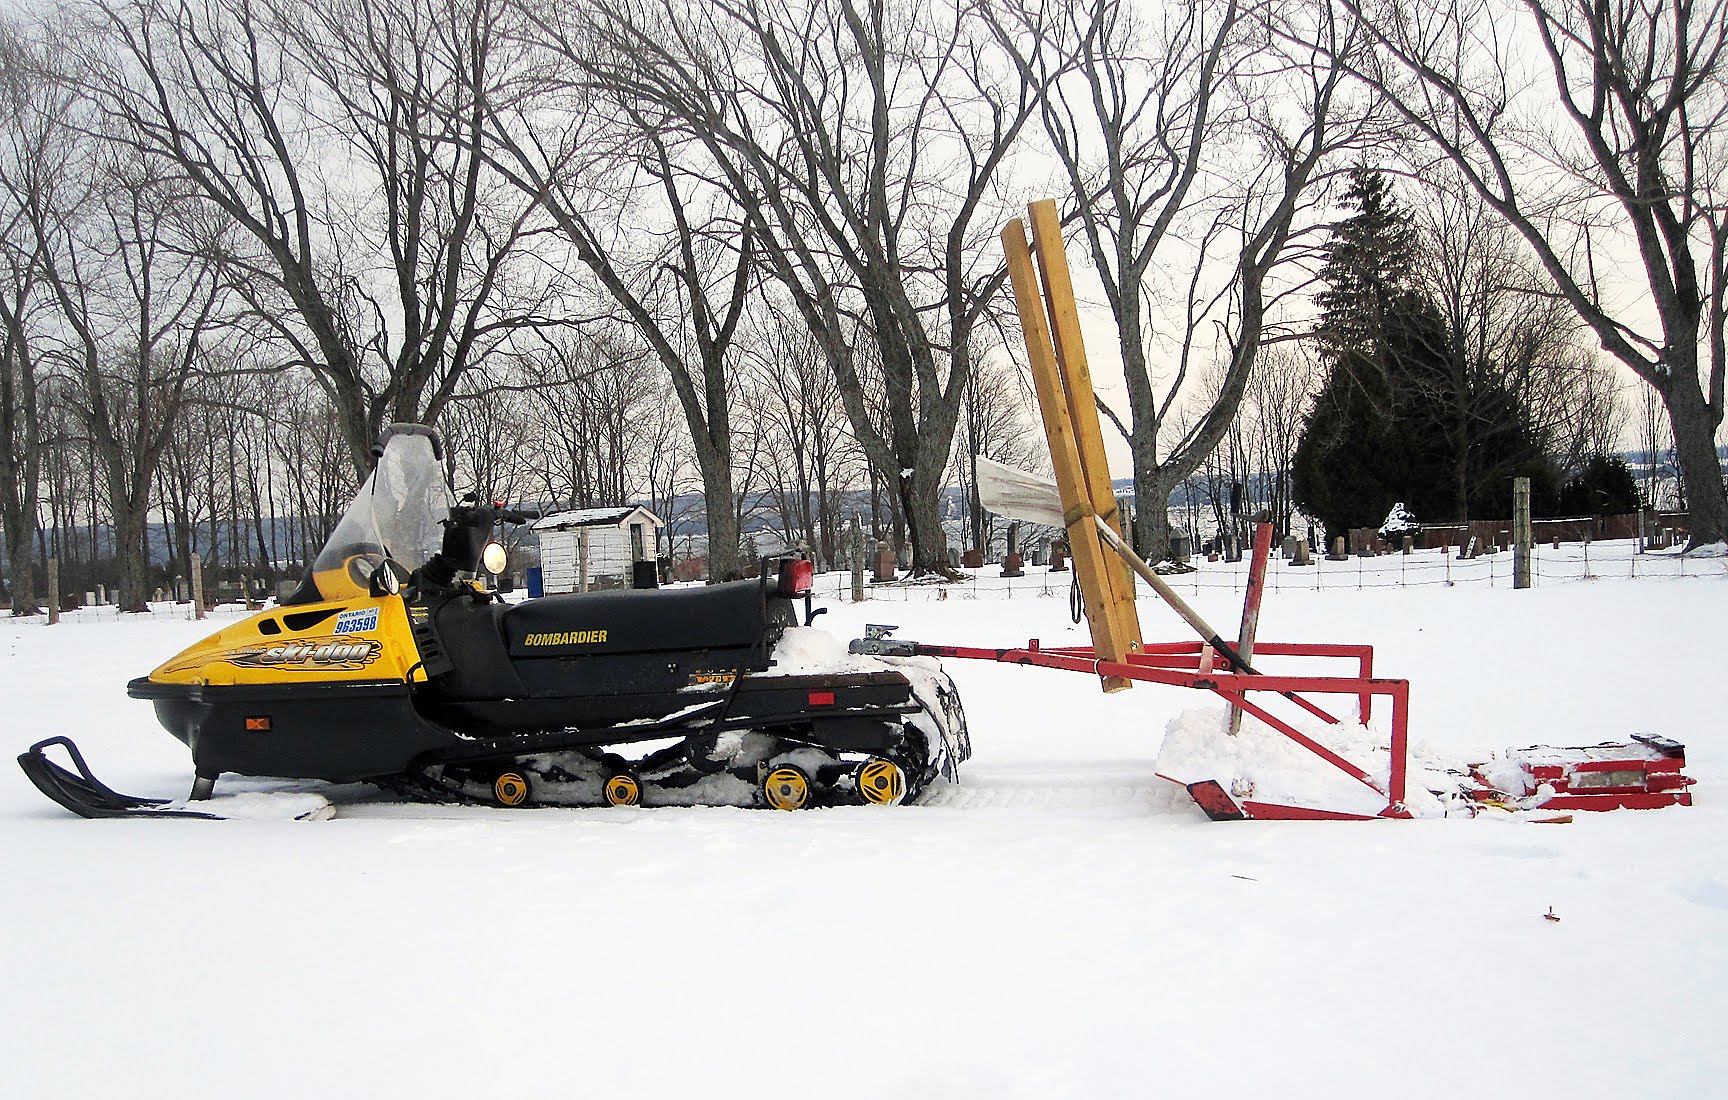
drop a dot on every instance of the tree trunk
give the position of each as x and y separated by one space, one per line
722 516
129 524
921 501
1695 447
1153 485
23 574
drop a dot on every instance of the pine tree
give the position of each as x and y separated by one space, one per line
1371 262
1355 456
1384 428
1604 487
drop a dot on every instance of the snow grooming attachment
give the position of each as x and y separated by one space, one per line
1081 501
429 685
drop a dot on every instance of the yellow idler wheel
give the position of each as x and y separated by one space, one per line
880 782
786 788
622 789
510 788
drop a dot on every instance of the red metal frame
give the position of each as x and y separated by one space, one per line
1184 664
1633 776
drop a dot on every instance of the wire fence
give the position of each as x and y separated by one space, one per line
1566 564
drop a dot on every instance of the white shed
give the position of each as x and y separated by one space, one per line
594 547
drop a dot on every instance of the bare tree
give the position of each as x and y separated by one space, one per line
393 271
863 143
1511 364
1195 144
136 300
1618 162
591 412
1275 402
807 454
663 242
34 141
1663 487
313 451
995 423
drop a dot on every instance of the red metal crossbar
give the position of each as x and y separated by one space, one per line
1187 664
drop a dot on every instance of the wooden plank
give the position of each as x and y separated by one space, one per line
1091 563
1076 378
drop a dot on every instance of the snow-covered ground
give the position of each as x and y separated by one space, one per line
1063 924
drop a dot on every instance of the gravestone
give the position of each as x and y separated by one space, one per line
1012 564
884 563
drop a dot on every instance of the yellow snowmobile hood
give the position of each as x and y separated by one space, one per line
355 639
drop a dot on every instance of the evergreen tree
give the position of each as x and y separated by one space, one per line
1384 428
1371 262
1364 446
1354 457
1604 487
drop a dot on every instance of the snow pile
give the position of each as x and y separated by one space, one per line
1709 550
1262 764
806 651
1506 775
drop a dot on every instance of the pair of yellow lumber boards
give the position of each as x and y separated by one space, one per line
1064 386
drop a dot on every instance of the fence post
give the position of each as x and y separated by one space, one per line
857 560
53 591
197 586
1521 535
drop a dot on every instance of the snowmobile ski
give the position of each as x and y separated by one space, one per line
85 795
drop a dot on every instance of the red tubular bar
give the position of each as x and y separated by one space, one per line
1178 664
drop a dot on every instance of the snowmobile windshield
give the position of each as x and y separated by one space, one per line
395 516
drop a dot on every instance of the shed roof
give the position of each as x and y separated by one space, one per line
594 517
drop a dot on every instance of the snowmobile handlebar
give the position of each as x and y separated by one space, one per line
465 533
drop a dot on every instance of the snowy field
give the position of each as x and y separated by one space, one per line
1063 924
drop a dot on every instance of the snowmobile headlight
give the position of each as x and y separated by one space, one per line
493 558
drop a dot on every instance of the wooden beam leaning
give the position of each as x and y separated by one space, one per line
1076 380
1091 563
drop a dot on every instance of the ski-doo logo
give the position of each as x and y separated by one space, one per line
363 621
319 654
568 637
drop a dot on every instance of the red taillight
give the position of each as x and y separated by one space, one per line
821 698
796 577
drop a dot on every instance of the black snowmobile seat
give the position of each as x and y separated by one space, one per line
718 616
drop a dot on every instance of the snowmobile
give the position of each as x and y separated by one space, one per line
423 682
